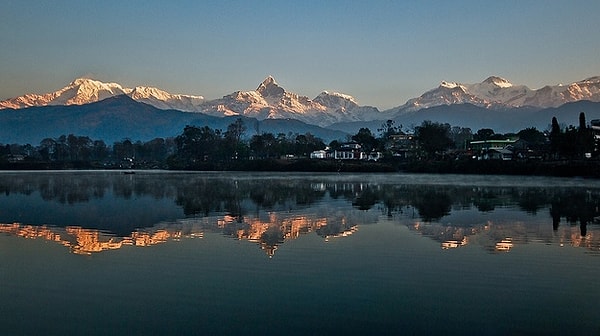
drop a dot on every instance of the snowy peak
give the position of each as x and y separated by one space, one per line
447 93
145 92
270 88
497 81
85 90
164 100
271 101
496 92
336 100
80 91
450 85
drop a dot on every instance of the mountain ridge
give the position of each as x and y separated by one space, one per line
120 117
271 101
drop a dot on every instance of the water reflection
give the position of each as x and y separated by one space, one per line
87 241
98 211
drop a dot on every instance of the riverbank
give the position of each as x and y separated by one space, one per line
588 169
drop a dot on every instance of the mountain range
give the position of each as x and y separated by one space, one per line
494 103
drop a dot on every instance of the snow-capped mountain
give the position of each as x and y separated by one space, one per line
84 91
554 96
268 101
165 101
271 101
80 91
497 92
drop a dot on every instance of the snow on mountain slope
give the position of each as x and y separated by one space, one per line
271 101
500 91
497 92
80 91
554 96
84 91
447 93
164 100
268 101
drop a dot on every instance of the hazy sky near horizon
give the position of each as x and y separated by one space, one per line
380 52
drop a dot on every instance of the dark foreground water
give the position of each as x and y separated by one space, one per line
107 253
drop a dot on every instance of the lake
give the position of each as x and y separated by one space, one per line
107 253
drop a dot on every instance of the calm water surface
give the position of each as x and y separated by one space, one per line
107 253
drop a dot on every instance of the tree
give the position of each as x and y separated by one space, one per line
335 145
235 131
555 136
123 150
47 149
532 136
389 128
585 137
433 138
263 145
198 144
386 131
99 150
484 134
233 137
461 136
365 138
307 143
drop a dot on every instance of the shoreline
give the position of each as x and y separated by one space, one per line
581 168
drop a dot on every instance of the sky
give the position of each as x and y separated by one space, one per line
380 52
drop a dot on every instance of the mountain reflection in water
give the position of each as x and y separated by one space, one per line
98 211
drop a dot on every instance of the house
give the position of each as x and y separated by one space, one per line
16 158
347 151
490 144
320 154
493 149
497 154
401 145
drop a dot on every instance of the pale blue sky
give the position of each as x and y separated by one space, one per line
381 52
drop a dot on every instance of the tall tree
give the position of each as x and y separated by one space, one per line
585 138
582 124
233 137
555 137
365 139
433 138
484 134
532 136
461 136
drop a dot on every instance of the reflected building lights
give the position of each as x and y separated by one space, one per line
504 245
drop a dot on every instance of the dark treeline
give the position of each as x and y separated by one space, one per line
206 148
429 147
73 151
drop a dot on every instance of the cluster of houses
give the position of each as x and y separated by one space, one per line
347 151
504 150
403 146
400 146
